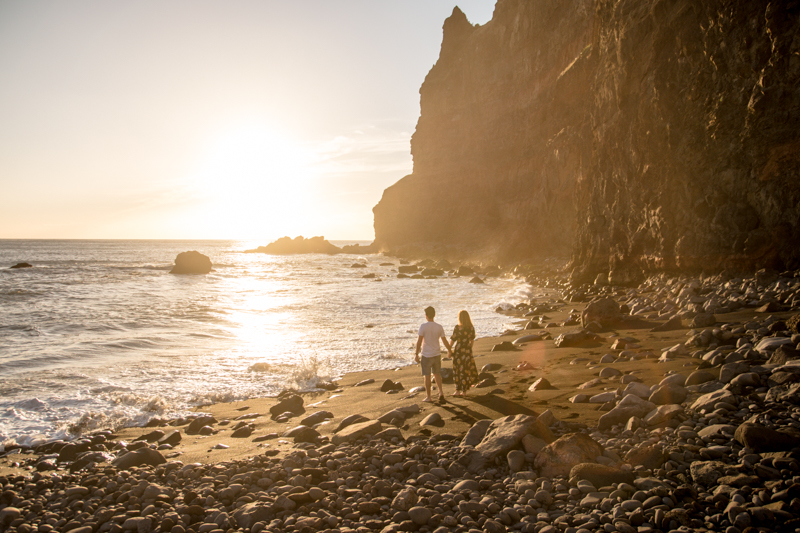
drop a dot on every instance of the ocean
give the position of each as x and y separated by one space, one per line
98 333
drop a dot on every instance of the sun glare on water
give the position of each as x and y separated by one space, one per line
255 181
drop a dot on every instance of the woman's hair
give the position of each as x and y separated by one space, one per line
463 318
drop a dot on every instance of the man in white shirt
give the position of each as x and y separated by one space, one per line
428 346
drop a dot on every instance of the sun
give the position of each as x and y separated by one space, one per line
255 179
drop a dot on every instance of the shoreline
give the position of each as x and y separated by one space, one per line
679 435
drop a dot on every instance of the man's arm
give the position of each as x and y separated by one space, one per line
419 347
447 345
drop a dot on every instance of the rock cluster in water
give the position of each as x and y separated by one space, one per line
314 245
714 449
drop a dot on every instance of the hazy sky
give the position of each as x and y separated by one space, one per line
209 119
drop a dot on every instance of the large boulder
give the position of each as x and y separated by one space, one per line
637 389
783 354
670 325
742 382
699 377
707 401
350 420
505 434
789 392
630 406
405 499
731 370
616 416
355 431
762 439
192 262
767 345
601 475
291 404
316 418
198 423
558 457
574 338
668 394
476 433
605 311
662 414
707 472
651 457
793 322
249 514
703 320
142 456
302 434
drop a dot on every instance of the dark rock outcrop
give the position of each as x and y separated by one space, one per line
191 263
22 265
637 136
298 245
359 249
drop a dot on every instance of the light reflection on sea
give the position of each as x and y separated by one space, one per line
99 334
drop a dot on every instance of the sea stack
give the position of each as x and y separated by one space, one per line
191 263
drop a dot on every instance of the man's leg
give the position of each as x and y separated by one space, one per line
425 364
438 377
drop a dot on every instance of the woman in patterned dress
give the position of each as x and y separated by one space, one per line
465 373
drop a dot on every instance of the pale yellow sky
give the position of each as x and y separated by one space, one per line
204 119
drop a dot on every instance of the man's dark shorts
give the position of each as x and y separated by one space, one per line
431 364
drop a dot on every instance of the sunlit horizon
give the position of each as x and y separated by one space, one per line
197 120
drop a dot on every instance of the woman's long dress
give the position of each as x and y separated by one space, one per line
465 374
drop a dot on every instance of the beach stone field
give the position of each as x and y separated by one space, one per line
670 406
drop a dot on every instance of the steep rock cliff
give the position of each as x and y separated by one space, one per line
493 175
638 136
695 113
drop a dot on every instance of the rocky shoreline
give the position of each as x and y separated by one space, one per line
698 435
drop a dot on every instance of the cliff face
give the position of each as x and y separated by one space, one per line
493 178
695 114
636 136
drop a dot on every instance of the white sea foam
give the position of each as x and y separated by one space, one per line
309 372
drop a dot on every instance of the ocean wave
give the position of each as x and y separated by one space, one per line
146 404
94 421
30 329
132 344
33 404
210 398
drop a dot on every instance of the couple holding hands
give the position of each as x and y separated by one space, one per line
465 373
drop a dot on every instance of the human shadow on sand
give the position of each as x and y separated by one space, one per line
502 406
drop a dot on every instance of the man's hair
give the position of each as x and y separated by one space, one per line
430 312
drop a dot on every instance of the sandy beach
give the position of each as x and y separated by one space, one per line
565 369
